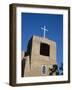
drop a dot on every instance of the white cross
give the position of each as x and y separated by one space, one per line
44 28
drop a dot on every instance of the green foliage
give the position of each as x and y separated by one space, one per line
56 70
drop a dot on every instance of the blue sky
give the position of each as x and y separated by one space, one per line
31 25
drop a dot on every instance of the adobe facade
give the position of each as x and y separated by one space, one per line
41 55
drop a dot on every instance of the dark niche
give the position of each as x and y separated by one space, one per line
44 49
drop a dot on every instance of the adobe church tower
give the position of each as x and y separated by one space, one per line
40 56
